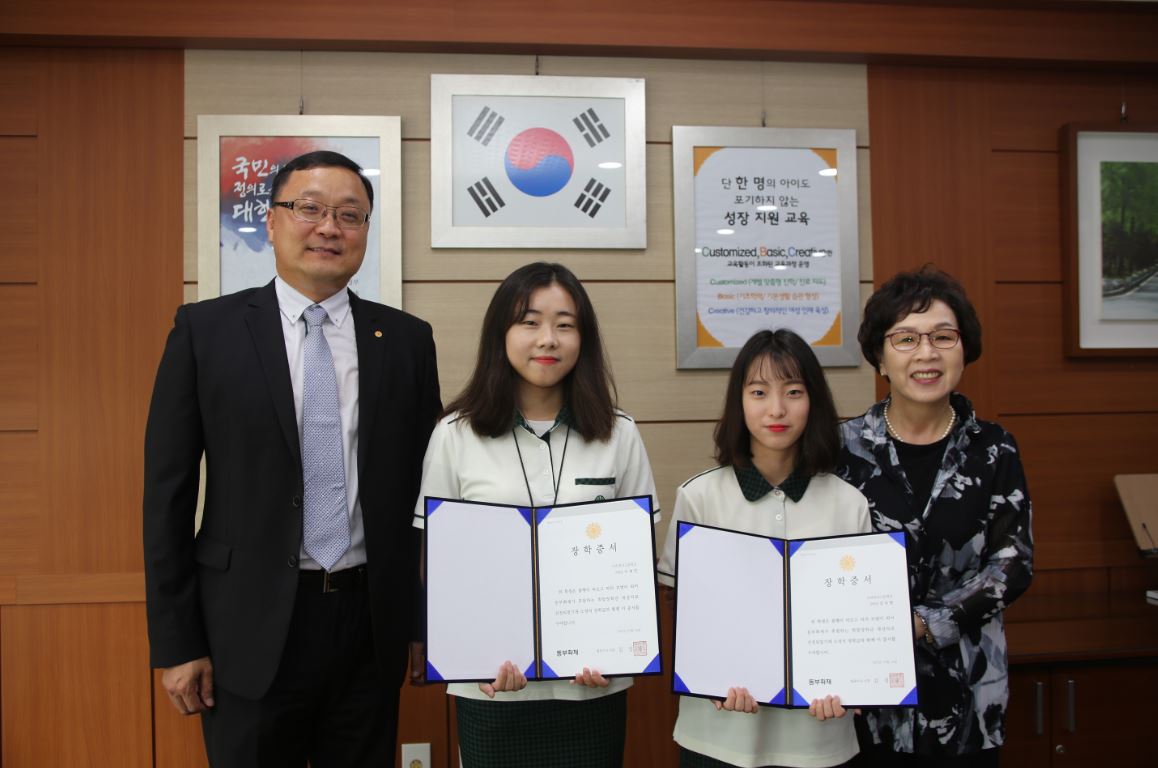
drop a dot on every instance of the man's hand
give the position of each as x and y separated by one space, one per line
190 685
417 663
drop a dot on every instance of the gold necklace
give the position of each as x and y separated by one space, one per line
893 430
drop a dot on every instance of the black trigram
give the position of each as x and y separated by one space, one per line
485 196
592 198
485 126
591 127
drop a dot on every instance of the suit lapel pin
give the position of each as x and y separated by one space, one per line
377 334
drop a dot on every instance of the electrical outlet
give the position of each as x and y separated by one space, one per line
416 755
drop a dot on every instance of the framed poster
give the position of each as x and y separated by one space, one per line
237 158
765 237
1110 240
537 162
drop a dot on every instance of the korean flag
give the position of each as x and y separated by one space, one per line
538 161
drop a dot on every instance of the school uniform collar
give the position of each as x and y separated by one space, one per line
755 487
563 417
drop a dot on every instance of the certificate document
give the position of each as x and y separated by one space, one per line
552 589
794 620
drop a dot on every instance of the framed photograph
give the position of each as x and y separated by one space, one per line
237 157
537 162
765 237
1110 240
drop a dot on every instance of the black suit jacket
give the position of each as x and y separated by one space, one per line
223 390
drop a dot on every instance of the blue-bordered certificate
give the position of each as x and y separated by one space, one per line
793 620
552 589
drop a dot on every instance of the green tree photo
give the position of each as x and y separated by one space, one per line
1129 224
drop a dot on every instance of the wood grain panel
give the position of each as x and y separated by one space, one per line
177 740
636 322
80 588
19 505
240 83
19 90
1084 553
1051 32
109 280
677 451
1023 209
19 257
652 707
75 686
422 718
1029 108
799 95
189 211
1024 340
337 83
930 131
680 92
19 365
1070 462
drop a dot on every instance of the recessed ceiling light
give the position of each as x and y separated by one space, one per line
828 172
610 165
725 231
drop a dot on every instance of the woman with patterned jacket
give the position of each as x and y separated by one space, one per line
956 486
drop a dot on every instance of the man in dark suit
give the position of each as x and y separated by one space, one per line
285 621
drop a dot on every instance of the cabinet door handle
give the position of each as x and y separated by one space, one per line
1038 708
1071 706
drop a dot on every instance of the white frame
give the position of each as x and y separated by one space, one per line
1096 335
387 208
684 141
444 233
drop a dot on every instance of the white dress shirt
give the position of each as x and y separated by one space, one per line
339 332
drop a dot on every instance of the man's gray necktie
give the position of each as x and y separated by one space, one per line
326 522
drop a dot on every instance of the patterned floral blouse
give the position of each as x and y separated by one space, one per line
970 556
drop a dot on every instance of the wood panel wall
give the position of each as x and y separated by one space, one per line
90 143
1020 31
95 143
972 185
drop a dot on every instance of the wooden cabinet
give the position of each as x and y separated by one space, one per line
1082 714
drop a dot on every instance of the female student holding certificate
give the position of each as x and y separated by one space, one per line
776 443
956 487
537 425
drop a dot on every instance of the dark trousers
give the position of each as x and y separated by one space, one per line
878 757
328 704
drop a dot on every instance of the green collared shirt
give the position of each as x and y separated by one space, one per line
755 487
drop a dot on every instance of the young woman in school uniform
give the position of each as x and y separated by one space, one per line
537 424
776 443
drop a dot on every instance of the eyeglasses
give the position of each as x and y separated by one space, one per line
347 216
907 341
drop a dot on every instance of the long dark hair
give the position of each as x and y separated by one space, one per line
488 400
790 357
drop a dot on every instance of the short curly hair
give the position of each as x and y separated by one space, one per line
909 292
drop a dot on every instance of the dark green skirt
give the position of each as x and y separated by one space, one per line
542 734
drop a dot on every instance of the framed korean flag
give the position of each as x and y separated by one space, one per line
537 162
